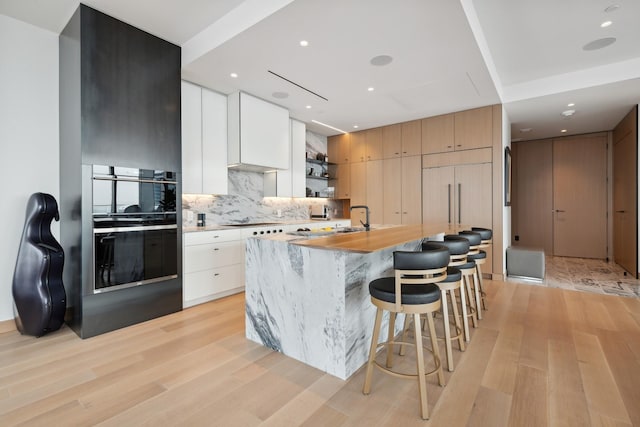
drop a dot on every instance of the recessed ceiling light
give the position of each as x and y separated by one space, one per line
612 8
568 113
571 104
381 60
308 107
371 89
356 126
563 130
599 43
304 43
280 95
234 75
605 24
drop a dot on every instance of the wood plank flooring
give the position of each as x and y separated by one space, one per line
540 357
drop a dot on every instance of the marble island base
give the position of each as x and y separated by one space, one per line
313 304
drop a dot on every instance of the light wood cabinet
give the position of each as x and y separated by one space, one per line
473 128
358 148
358 196
375 197
460 194
339 148
392 141
464 130
437 134
373 144
412 138
342 180
402 189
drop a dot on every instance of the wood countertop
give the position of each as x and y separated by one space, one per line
375 240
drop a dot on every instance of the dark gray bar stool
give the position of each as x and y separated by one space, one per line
486 235
413 292
450 285
476 256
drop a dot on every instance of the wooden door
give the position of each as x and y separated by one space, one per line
339 148
411 190
532 195
375 198
412 138
473 128
473 199
392 175
358 191
392 141
580 197
625 190
342 180
373 142
437 134
437 195
358 147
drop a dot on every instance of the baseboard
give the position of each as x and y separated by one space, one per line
7 326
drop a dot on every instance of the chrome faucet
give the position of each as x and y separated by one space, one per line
366 224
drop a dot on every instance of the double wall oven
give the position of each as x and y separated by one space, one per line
134 227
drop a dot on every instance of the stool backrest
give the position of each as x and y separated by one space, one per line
419 268
475 240
486 235
458 248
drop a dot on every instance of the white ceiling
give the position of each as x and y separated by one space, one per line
447 55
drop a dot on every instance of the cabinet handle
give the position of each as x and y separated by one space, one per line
620 211
449 202
216 274
404 152
396 153
459 145
404 213
459 200
216 249
215 236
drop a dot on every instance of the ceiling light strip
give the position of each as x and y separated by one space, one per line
296 84
329 126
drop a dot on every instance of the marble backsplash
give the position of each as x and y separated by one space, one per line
245 201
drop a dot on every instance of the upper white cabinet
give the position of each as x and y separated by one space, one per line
258 133
290 182
204 140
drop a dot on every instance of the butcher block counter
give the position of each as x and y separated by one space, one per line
377 239
309 298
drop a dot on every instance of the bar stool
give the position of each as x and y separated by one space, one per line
475 256
413 292
486 234
451 284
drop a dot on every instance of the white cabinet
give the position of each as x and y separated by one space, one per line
204 140
290 182
258 134
213 265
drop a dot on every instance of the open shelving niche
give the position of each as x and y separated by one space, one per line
318 181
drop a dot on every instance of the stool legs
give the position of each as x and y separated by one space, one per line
390 336
476 291
422 383
372 351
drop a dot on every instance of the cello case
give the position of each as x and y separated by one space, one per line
38 292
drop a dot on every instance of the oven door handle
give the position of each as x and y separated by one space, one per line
139 228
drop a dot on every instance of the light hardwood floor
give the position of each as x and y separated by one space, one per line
541 356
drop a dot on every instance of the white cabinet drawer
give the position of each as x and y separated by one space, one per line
204 257
214 281
214 236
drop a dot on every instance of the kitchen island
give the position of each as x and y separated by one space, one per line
309 299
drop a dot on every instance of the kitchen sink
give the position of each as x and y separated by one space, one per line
350 229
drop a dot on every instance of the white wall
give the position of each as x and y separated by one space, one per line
29 139
506 210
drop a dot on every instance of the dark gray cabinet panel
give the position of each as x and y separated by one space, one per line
130 95
119 105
